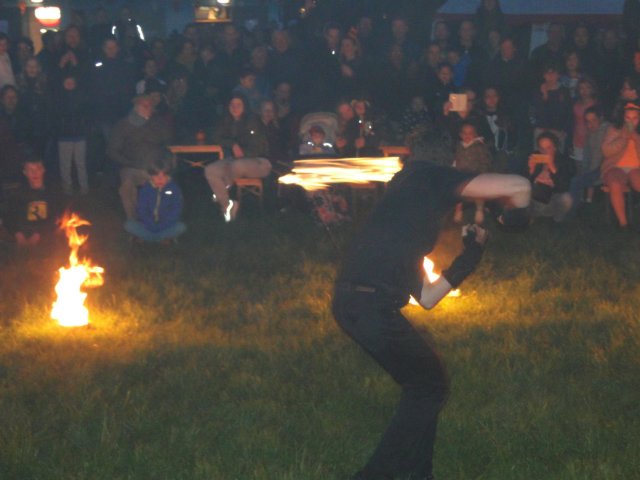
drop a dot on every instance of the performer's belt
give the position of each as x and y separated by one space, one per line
346 287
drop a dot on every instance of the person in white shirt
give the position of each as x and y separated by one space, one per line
6 70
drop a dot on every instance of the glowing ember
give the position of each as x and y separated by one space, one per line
69 309
433 276
317 174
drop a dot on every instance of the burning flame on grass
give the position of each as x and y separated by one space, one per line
318 174
433 276
69 309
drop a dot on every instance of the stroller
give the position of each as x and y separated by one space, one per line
329 206
325 122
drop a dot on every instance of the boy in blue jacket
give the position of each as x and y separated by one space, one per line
159 207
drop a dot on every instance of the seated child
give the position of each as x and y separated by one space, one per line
32 208
471 155
158 208
316 145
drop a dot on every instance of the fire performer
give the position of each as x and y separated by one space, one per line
383 268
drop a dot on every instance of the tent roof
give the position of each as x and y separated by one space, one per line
539 7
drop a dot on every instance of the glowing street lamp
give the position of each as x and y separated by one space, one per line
48 16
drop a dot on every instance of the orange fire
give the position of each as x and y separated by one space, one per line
317 174
69 309
433 276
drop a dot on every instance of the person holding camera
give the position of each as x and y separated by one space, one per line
621 165
550 173
383 267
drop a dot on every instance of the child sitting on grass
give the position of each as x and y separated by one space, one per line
159 207
32 208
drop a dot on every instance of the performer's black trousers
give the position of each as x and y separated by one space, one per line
374 322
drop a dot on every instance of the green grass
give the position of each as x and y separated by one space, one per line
218 358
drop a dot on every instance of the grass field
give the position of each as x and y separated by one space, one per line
218 358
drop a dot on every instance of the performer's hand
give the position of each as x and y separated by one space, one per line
474 239
474 233
481 234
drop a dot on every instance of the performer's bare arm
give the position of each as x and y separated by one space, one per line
432 293
513 189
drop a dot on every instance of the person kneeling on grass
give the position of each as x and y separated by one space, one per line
159 207
383 267
550 172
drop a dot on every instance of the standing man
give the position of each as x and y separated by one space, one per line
112 87
383 267
7 76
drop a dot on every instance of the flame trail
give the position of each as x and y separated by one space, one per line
318 174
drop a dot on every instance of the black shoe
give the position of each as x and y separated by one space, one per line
421 477
362 476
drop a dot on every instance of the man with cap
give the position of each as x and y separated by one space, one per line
135 142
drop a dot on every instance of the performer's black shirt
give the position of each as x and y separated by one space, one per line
403 228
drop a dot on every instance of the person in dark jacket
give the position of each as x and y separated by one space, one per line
509 72
348 130
239 132
74 56
133 143
11 157
550 173
159 205
112 87
552 107
35 98
71 129
14 113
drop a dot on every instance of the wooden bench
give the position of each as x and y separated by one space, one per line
194 149
395 151
250 186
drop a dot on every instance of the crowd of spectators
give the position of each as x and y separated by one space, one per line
88 91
